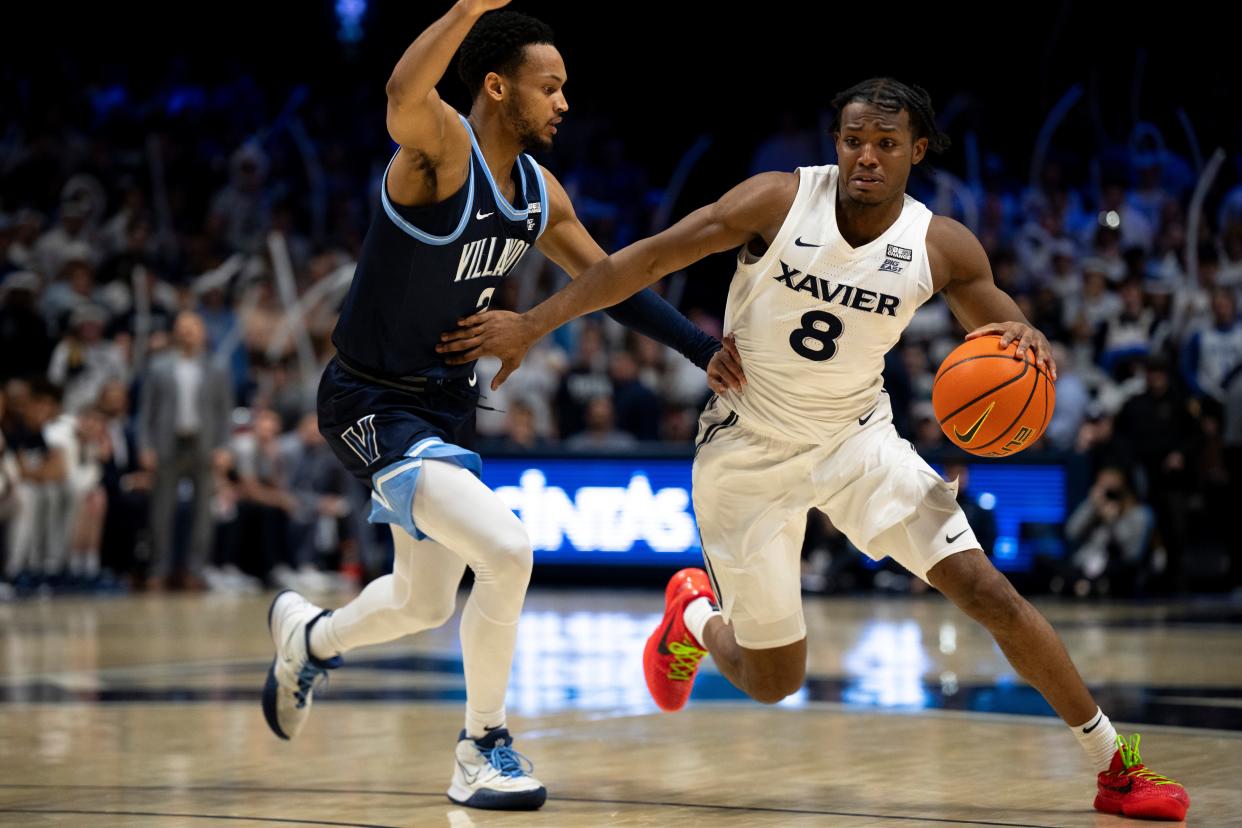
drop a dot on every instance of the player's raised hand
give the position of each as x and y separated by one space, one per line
1026 337
503 334
724 371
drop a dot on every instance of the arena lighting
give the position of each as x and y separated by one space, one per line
349 14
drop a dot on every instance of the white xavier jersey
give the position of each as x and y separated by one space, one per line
814 317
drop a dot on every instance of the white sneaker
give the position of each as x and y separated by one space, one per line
490 774
292 676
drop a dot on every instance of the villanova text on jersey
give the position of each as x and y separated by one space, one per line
423 268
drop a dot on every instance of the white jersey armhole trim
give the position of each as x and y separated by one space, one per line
788 226
806 180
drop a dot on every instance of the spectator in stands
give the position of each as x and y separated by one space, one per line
1211 353
585 380
185 416
600 433
127 486
637 406
1111 537
321 486
36 537
265 502
84 361
25 343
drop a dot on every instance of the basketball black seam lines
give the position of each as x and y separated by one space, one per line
964 360
1007 428
1047 410
993 390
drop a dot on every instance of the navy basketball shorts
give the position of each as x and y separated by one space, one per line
383 433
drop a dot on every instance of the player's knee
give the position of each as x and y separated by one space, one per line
512 558
773 688
769 682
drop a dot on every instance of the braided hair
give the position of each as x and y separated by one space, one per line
893 96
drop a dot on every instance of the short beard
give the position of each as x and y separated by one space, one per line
529 136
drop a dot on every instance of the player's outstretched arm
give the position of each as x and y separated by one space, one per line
756 207
568 243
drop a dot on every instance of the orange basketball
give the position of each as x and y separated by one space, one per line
988 401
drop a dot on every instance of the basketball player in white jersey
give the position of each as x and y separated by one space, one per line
832 263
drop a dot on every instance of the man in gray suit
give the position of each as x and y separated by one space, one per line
183 427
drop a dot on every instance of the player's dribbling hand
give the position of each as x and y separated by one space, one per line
724 371
502 334
1026 337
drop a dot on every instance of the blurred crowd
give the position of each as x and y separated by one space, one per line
171 268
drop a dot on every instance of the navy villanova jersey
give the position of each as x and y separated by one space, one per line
423 268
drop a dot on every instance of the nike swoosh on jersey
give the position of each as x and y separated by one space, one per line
863 420
798 242
955 537
974 429
483 215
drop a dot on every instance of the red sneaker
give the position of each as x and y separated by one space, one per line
1129 789
672 655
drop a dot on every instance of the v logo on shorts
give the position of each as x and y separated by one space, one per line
360 437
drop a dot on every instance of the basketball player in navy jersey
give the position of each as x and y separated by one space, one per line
461 203
832 262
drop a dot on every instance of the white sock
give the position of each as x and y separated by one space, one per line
697 613
323 644
477 724
1100 743
487 659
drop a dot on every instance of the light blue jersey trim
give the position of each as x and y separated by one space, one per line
501 202
422 236
393 487
543 196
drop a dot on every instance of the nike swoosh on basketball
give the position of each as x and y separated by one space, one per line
974 429
483 215
800 243
955 537
863 420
